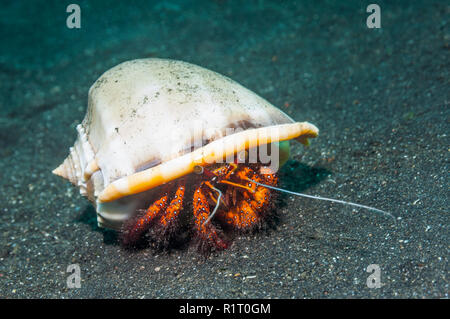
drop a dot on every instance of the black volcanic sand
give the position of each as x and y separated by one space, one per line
379 97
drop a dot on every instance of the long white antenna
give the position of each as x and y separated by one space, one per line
326 199
215 208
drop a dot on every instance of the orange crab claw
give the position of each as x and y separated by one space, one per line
243 216
249 211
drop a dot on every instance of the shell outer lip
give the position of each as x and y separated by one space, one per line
208 154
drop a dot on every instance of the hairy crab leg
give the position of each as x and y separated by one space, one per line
134 229
206 232
169 218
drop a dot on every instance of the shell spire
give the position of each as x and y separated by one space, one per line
80 164
68 169
61 171
64 170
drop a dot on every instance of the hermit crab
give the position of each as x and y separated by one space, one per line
162 138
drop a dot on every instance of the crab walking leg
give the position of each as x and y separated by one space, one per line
168 222
134 229
206 232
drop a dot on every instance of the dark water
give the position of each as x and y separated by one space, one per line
379 97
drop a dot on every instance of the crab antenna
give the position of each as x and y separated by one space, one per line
215 208
325 199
